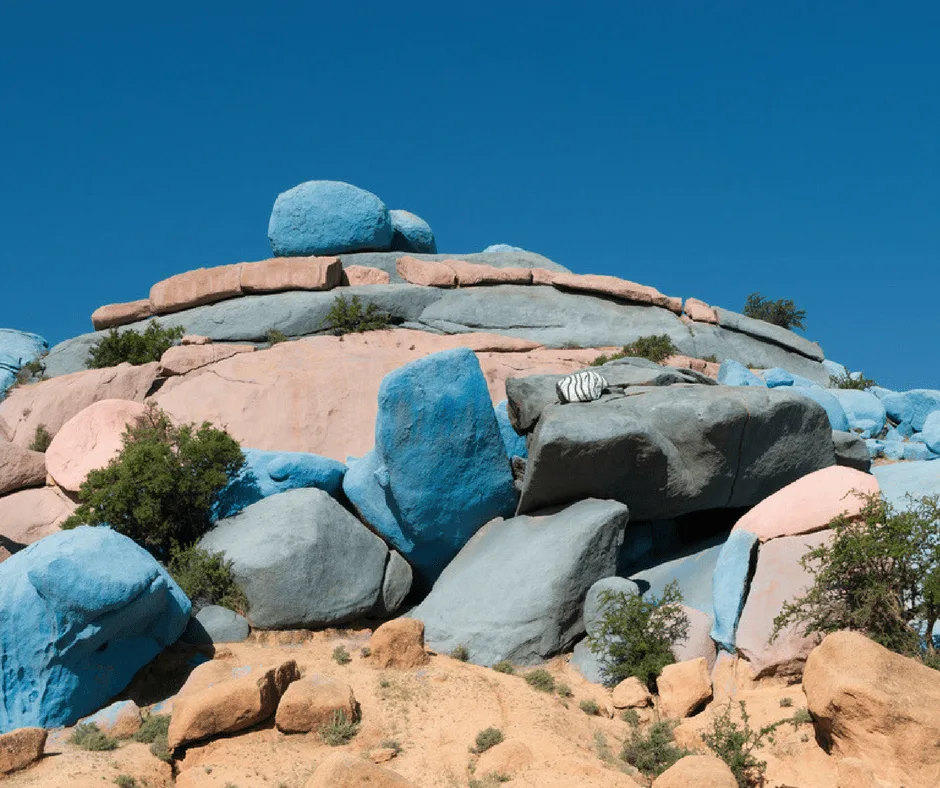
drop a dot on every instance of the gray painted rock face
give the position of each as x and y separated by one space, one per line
397 582
516 590
670 451
851 451
302 560
215 624
770 333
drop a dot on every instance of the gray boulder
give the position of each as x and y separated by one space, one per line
516 590
768 332
594 604
851 451
397 582
302 560
215 624
587 664
670 451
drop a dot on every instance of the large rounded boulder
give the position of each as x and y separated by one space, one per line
411 233
328 217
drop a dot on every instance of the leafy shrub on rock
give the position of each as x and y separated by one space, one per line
654 348
350 317
207 579
846 381
87 736
132 346
160 489
782 312
654 751
735 745
41 439
635 635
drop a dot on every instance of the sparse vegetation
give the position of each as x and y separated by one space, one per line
847 381
801 717
341 656
87 736
504 666
636 635
782 312
41 439
712 359
133 347
391 744
490 780
564 690
126 781
735 744
160 489
786 703
541 680
34 369
654 751
461 653
350 317
487 738
631 717
152 728
589 706
275 337
339 731
365 651
207 579
655 348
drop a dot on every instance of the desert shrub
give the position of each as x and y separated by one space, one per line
162 486
735 745
87 736
879 575
589 707
391 744
631 717
152 728
126 781
564 690
635 635
655 348
654 751
491 780
132 346
41 439
365 651
504 666
541 680
34 369
275 337
339 730
461 653
713 359
801 717
782 312
786 703
350 317
488 737
846 381
341 656
206 578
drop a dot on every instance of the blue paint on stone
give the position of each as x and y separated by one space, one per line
912 407
897 481
81 611
439 470
17 349
502 248
835 369
931 431
729 585
411 233
514 442
834 410
865 412
734 373
778 376
328 217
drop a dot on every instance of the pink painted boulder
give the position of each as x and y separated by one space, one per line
180 359
20 468
53 402
29 515
616 288
90 440
120 314
700 312
699 642
778 578
195 288
810 503
426 272
542 276
291 273
471 274
356 275
195 339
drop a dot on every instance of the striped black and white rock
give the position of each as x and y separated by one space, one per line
583 386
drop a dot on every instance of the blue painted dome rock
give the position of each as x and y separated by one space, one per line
328 217
411 233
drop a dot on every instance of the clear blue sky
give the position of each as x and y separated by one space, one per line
709 149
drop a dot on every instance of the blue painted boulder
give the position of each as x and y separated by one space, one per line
514 442
411 233
931 431
81 612
835 412
734 373
494 248
778 376
267 473
17 349
881 392
729 585
328 217
902 432
912 407
876 447
439 469
903 479
835 369
865 412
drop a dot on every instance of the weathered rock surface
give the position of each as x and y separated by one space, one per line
698 643
769 333
670 451
700 771
180 359
397 583
314 701
345 770
398 644
427 273
296 273
851 451
195 288
21 747
20 468
631 693
85 610
410 233
301 559
699 311
865 412
29 515
917 479
358 275
215 624
515 590
121 719
119 314
683 687
876 706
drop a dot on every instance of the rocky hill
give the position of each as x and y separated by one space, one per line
471 449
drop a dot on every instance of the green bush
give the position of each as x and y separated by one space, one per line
350 317
631 717
735 745
461 653
34 369
636 635
504 666
161 488
488 737
654 751
341 656
589 707
133 347
655 348
782 312
87 736
846 381
879 575
126 781
207 579
786 703
541 680
564 691
152 728
339 731
41 439
275 337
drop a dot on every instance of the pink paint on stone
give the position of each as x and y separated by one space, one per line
672 303
291 273
195 339
90 440
617 288
120 314
471 274
699 642
357 275
810 503
20 468
700 312
195 288
53 402
426 272
185 358
779 578
29 515
697 364
542 276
